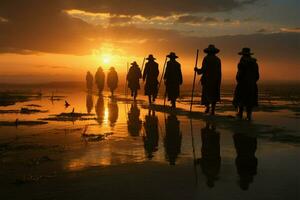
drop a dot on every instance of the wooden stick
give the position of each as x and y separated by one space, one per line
196 63
143 65
162 75
126 80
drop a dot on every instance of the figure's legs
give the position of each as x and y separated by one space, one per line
206 108
240 112
213 107
149 98
173 102
135 95
249 113
153 97
132 93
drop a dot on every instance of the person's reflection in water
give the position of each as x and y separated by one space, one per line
89 103
134 124
172 140
151 138
113 112
246 162
100 109
210 161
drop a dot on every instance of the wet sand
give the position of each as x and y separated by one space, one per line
147 155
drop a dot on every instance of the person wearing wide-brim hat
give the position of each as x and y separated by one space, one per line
112 80
211 78
173 78
150 75
133 78
246 92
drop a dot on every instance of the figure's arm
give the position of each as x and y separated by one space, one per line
238 74
180 75
202 69
145 72
166 72
257 72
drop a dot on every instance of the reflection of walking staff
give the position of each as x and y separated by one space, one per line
194 81
165 96
162 75
194 153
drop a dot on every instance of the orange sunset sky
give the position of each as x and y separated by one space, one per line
59 40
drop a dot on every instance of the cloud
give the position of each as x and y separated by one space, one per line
201 20
191 19
291 30
53 67
155 7
262 30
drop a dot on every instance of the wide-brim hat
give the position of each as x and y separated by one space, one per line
172 55
211 49
150 57
134 64
245 51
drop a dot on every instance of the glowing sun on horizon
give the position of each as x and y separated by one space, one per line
106 59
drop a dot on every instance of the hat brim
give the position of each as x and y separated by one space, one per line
172 56
150 58
209 50
244 53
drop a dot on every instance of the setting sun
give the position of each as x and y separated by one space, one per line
106 59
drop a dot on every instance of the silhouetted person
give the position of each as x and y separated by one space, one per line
100 79
172 140
89 81
99 109
173 78
112 80
150 74
151 138
133 78
89 102
211 160
113 112
246 92
134 124
246 162
211 78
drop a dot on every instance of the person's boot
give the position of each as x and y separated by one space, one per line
206 109
153 98
213 107
249 114
240 112
173 104
149 98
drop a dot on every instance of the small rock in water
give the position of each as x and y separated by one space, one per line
95 137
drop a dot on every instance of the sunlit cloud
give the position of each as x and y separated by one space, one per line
291 30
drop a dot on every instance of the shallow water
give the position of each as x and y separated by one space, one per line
219 157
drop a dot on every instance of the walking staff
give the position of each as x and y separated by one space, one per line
163 73
143 64
196 63
126 80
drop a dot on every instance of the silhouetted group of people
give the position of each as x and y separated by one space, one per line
245 94
112 80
